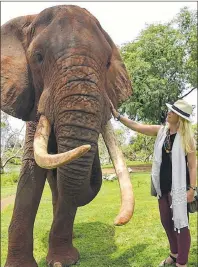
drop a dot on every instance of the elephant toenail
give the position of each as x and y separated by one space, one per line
57 264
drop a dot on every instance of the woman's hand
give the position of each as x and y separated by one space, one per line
115 113
190 195
150 130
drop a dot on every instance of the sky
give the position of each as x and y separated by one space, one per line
122 20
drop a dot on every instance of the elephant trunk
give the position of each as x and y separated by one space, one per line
77 124
42 158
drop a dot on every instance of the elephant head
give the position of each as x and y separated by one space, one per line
61 67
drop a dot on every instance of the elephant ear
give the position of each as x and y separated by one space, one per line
17 92
119 86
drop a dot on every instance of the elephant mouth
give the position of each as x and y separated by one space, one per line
48 161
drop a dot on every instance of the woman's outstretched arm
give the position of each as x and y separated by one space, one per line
151 130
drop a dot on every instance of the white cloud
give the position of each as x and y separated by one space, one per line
122 20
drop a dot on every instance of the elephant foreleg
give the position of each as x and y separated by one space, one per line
20 235
72 193
60 240
29 191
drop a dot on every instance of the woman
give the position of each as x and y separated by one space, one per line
173 175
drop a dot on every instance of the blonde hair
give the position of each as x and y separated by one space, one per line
187 136
185 130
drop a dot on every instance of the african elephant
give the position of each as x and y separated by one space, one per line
60 70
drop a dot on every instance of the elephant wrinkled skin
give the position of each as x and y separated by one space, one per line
59 66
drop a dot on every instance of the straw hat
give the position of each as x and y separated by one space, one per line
181 108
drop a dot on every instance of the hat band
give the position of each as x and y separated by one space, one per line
180 111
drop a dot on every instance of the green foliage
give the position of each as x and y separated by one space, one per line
4 120
140 243
162 64
103 152
121 136
195 131
186 23
141 148
9 178
128 152
16 160
3 124
138 148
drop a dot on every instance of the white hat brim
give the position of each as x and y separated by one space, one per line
175 111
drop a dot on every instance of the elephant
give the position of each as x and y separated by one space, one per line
60 73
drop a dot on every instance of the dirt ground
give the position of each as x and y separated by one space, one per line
7 201
140 168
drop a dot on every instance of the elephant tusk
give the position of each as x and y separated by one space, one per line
47 161
127 196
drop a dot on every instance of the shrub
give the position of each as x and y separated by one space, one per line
9 178
16 161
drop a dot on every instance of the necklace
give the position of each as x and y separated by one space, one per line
167 142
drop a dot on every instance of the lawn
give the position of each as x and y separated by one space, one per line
8 190
9 184
140 243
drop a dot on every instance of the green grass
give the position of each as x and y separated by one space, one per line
9 183
8 190
9 178
140 243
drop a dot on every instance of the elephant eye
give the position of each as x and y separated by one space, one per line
39 57
108 64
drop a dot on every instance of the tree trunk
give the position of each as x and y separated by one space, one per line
1 167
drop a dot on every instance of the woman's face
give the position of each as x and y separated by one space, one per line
172 117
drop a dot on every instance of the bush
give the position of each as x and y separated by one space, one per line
16 161
9 178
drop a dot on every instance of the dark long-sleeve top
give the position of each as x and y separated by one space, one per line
166 169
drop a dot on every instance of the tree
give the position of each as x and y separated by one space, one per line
122 135
103 153
162 65
140 148
186 23
12 141
195 131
